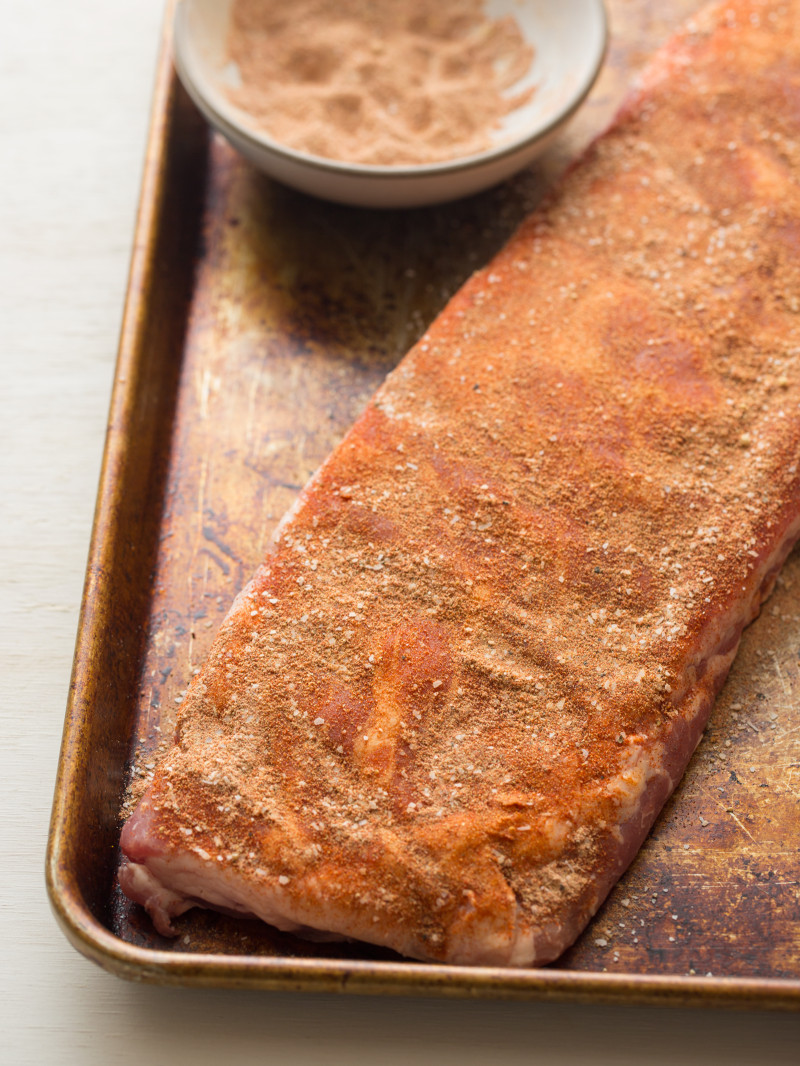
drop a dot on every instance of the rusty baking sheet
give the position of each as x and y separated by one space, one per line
257 324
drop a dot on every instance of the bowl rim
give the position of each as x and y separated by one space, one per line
225 117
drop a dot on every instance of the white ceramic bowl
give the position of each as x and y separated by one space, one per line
568 36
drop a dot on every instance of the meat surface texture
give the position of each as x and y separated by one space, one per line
448 708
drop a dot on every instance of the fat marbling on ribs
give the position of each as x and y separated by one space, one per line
446 711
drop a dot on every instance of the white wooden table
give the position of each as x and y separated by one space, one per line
75 88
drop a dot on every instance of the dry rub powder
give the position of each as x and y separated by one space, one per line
386 82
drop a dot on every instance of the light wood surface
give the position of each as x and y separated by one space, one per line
75 83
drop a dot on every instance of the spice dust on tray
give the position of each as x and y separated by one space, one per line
400 82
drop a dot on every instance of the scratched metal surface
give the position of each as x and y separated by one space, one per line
297 312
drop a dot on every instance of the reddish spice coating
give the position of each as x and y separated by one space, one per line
449 706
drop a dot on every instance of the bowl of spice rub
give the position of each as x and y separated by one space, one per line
396 103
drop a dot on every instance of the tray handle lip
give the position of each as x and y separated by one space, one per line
63 891
145 965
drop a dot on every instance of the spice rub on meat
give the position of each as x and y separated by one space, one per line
448 708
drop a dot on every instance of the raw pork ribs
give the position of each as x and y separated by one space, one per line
446 711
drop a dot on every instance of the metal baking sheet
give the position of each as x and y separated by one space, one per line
258 322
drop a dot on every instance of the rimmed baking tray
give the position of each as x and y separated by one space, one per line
257 323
